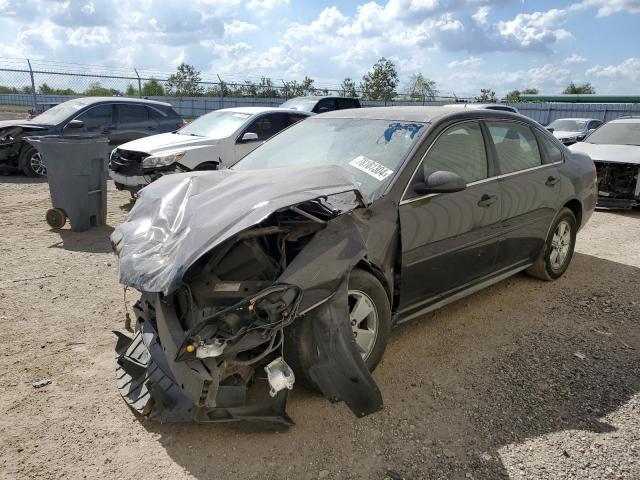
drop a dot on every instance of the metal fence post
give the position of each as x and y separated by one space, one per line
221 91
33 89
139 83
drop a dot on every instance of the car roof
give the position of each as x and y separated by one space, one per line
320 97
144 101
418 113
623 119
577 118
256 110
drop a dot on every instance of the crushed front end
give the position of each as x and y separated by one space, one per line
618 184
217 303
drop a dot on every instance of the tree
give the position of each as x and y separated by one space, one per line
584 89
185 82
513 96
487 96
249 89
348 88
421 87
95 89
380 82
266 88
131 91
152 88
307 86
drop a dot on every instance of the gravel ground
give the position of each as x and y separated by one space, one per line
525 379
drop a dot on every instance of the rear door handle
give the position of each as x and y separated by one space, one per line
487 200
551 181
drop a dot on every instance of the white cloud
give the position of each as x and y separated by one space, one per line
88 37
627 70
237 27
608 7
471 62
535 30
574 59
259 6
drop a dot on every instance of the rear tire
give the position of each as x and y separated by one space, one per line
300 349
558 248
31 162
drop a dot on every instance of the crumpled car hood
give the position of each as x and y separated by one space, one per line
609 153
21 123
178 218
165 142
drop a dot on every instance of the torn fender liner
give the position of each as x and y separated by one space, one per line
340 371
322 271
180 217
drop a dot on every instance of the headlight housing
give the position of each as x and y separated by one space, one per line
155 161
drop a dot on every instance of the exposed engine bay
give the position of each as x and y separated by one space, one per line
213 348
618 184
11 142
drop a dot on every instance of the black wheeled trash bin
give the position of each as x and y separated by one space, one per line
77 176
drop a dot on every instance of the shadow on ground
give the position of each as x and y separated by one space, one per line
491 370
94 240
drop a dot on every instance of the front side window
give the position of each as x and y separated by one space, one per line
460 150
96 117
516 146
370 150
267 126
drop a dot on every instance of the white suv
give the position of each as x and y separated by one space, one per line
217 139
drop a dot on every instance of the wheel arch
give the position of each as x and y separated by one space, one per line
374 270
576 207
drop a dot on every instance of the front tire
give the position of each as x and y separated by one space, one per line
370 318
558 248
31 162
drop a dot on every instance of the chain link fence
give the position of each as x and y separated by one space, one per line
39 84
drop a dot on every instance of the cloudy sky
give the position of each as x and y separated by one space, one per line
464 45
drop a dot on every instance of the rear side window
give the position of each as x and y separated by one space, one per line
155 114
460 150
132 113
516 146
294 119
551 150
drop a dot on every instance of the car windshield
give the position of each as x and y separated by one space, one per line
59 113
216 124
370 150
616 133
568 125
304 104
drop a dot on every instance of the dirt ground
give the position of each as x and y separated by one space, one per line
525 379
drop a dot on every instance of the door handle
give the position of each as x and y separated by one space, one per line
487 200
551 181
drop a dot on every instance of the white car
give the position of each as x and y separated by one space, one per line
215 140
572 130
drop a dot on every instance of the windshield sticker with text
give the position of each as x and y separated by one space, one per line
371 167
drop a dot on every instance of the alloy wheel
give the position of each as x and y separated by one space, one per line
364 321
35 162
560 245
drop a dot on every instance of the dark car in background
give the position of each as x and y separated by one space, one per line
120 119
314 245
321 104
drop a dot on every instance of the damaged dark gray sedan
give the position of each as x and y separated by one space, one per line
292 267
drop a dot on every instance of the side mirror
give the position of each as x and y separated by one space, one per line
551 129
249 137
75 124
440 182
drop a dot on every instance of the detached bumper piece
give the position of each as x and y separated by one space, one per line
146 384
